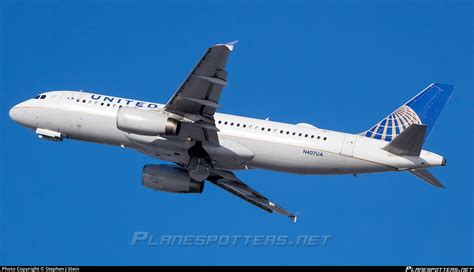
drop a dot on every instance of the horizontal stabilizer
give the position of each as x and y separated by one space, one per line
427 176
409 142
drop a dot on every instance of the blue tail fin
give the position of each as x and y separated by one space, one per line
424 109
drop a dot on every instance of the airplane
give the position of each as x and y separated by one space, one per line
204 145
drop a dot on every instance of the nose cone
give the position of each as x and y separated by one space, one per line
21 114
15 114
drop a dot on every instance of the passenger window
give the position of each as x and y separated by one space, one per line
312 136
263 128
225 123
238 125
324 138
244 125
319 137
232 123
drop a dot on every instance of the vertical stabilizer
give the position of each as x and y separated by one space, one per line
423 109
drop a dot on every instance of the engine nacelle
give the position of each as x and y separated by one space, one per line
170 178
146 122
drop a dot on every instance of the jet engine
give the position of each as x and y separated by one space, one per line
169 178
146 122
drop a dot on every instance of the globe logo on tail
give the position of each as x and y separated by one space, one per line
394 124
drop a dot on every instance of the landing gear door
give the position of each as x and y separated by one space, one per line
347 148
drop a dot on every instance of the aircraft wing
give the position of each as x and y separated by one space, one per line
198 96
229 182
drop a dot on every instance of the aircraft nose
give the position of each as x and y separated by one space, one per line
17 113
14 114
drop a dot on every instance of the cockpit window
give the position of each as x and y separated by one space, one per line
40 96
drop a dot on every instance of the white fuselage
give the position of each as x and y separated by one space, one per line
245 143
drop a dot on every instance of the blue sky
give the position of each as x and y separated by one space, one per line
341 65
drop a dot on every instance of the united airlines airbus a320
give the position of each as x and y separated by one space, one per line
207 146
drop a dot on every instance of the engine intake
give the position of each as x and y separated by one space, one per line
146 122
168 178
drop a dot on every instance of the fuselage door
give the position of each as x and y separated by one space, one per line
65 99
347 148
69 102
